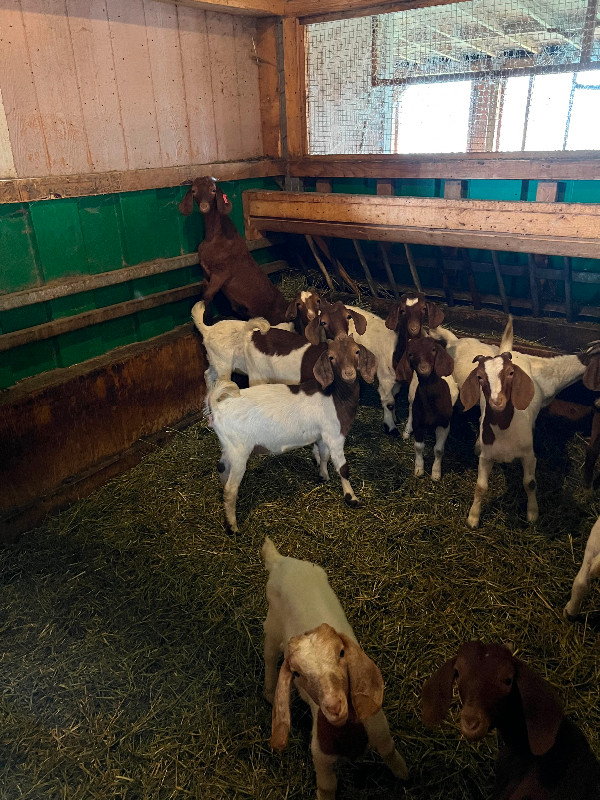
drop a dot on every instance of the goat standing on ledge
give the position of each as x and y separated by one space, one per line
322 657
276 418
226 261
544 756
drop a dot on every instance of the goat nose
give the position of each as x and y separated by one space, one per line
424 369
472 723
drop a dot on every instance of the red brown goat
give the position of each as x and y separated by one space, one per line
226 261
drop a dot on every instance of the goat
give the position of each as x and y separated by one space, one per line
387 340
434 396
303 311
340 683
226 261
591 379
282 357
512 388
590 568
544 755
225 341
277 418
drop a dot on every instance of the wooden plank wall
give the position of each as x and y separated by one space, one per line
90 86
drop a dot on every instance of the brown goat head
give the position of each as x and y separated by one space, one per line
426 357
206 192
329 667
501 382
489 679
591 376
412 310
345 357
334 319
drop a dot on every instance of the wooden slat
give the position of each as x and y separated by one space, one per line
96 76
454 190
254 7
134 77
21 106
293 57
7 164
49 47
584 165
167 82
29 189
546 192
316 11
500 281
268 78
226 107
385 188
244 29
323 185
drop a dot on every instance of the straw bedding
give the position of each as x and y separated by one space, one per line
131 624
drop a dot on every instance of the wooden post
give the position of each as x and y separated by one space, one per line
365 267
268 80
568 279
295 94
533 286
322 266
413 267
500 281
388 270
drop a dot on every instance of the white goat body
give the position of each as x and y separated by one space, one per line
342 686
590 568
279 357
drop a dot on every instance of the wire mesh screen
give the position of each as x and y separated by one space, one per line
473 76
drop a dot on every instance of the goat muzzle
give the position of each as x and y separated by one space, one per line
473 725
204 207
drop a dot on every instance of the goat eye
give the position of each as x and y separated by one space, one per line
349 316
331 358
510 374
296 674
455 674
508 681
323 323
342 653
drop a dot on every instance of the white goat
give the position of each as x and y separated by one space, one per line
340 683
590 568
276 418
512 388
225 341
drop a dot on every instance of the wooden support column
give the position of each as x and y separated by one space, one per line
295 93
268 80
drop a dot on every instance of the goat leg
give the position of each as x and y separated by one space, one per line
529 462
483 474
441 434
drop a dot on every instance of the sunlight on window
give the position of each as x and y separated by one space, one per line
433 118
548 112
513 114
584 130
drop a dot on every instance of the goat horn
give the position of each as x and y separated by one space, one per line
593 348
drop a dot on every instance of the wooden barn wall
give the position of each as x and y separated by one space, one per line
508 190
98 85
50 240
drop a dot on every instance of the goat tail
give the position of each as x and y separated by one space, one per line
506 344
442 334
259 324
221 390
270 554
198 316
595 568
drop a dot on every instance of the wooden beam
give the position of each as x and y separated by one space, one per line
317 11
254 8
547 228
546 192
268 82
549 166
295 92
25 190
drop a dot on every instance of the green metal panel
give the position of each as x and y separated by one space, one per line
418 187
582 192
495 190
140 228
99 218
59 238
354 185
31 359
20 268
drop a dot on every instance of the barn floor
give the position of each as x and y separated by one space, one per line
131 624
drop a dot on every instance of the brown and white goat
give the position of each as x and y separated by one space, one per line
543 755
303 311
590 568
322 658
387 340
435 395
276 418
226 261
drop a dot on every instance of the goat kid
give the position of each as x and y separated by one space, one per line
322 658
512 388
590 568
387 340
226 261
544 755
434 396
277 418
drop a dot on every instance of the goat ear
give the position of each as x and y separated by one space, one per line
541 707
312 331
435 315
360 322
367 364
591 376
404 371
223 204
187 204
437 695
523 389
323 371
392 318
444 363
366 682
291 311
469 391
280 721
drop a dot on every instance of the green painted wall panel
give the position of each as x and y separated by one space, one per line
169 222
20 268
31 359
139 213
18 318
409 187
495 190
59 238
582 192
99 218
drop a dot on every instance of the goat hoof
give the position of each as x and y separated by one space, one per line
353 502
391 431
472 521
419 472
406 435
532 516
569 617
436 476
231 529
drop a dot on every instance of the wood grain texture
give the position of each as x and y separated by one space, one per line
136 93
268 77
295 105
97 81
254 7
167 81
53 65
244 31
7 164
21 106
226 106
